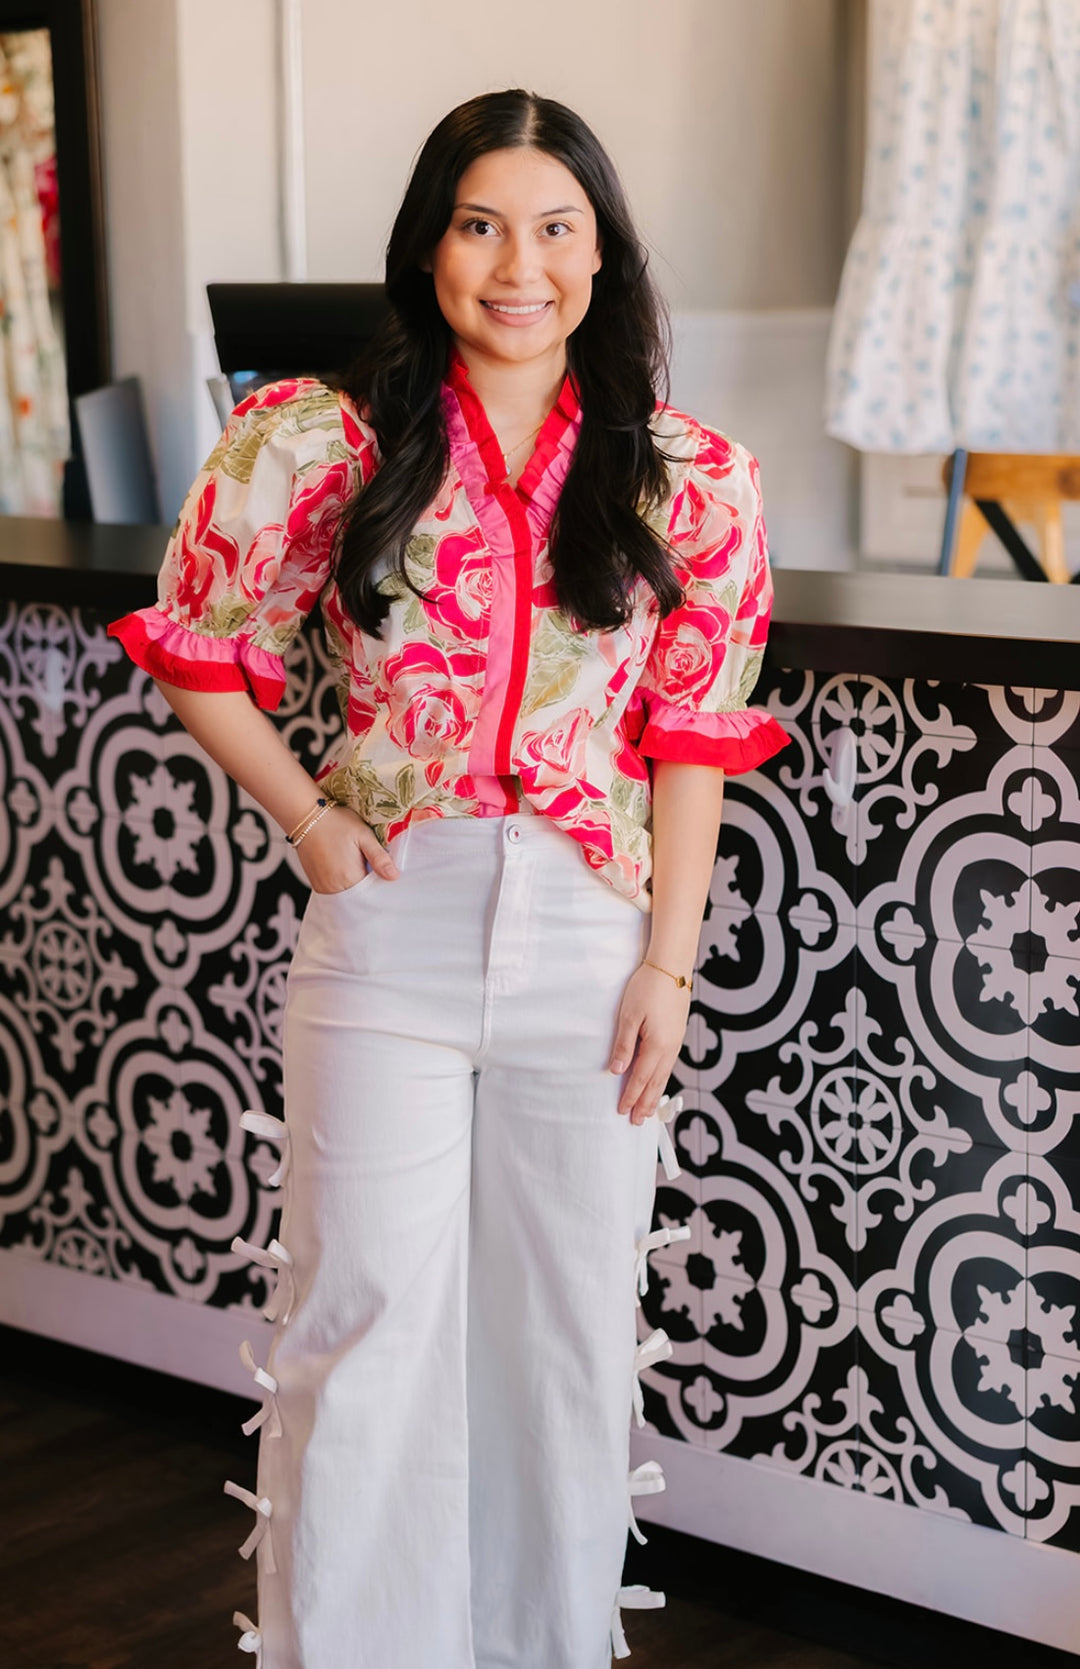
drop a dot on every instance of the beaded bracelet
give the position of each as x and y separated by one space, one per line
309 820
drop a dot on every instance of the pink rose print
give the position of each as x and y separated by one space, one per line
716 456
427 711
357 438
442 509
203 557
315 513
459 597
712 527
632 723
262 564
415 814
626 870
270 395
362 712
617 681
717 538
627 761
686 659
553 756
594 837
575 808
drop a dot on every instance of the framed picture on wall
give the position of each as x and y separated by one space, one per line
53 294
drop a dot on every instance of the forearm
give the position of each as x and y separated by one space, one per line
248 747
687 801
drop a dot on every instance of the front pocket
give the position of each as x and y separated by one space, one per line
396 848
350 892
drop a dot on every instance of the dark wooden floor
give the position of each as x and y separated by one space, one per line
118 1545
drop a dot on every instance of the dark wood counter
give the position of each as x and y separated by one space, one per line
79 564
1002 631
896 625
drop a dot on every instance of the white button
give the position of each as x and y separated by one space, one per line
513 832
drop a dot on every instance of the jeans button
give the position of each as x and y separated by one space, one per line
513 832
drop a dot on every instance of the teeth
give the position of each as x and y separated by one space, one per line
536 307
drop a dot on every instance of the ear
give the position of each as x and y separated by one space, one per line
598 258
425 264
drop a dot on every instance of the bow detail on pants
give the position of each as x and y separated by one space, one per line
652 1242
275 1257
646 1479
251 1639
262 1507
268 1414
668 1108
656 1348
271 1130
635 1598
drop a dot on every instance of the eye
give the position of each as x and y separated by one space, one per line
478 225
556 228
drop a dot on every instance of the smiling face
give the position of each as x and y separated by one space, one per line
513 271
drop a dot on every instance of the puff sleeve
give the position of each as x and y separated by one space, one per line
252 549
704 660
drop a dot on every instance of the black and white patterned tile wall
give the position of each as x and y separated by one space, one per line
147 914
881 1138
881 1134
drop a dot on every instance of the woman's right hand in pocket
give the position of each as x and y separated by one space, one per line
339 851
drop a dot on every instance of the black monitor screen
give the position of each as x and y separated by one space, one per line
266 331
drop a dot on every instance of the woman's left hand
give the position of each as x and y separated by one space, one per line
648 1036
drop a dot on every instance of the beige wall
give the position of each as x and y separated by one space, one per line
145 231
725 118
228 72
189 132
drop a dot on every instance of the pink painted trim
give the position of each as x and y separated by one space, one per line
466 458
518 518
177 655
494 796
738 742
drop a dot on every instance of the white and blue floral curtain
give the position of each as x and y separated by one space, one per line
958 318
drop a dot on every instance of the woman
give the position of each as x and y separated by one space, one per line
547 603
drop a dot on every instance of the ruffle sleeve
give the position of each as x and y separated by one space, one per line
252 549
704 661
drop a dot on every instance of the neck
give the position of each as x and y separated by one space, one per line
516 396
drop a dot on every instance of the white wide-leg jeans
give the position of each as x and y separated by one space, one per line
443 1455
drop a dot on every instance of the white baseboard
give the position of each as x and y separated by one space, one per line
984 1576
152 1329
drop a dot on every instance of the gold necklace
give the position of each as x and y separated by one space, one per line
508 455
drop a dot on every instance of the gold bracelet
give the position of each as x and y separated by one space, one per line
308 815
310 818
680 979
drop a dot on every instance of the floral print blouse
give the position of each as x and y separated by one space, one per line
479 695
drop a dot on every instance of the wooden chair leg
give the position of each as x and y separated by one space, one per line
971 533
1052 541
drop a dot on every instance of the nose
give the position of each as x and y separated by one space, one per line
518 260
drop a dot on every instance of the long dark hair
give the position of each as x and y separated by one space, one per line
601 541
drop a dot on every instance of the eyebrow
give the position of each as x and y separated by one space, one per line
482 208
